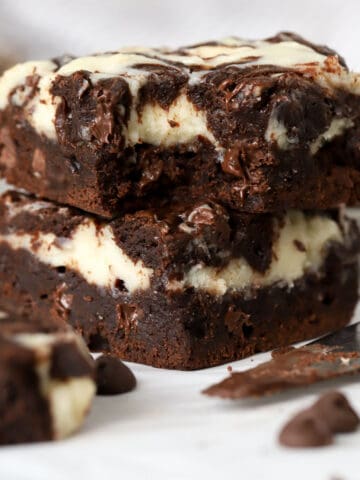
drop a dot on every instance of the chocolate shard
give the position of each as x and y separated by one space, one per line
315 426
294 368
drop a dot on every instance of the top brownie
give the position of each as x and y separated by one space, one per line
253 125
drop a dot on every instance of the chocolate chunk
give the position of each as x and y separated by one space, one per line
306 430
332 413
232 163
335 409
113 376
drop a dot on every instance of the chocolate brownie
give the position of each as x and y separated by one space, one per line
256 126
46 380
181 285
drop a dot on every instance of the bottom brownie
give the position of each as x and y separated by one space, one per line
187 330
166 317
46 380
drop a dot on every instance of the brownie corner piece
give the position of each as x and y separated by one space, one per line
47 379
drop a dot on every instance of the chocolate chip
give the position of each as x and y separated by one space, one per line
336 411
299 245
112 376
314 427
306 429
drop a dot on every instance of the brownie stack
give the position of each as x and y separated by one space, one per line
184 205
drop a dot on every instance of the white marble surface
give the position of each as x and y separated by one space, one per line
42 28
167 430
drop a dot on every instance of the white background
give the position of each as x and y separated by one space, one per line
41 28
166 429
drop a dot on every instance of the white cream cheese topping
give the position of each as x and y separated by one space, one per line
90 251
289 263
156 124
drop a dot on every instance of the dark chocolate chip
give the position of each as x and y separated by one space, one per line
306 429
299 245
335 409
120 285
113 376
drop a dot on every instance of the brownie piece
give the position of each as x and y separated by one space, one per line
253 125
179 286
46 380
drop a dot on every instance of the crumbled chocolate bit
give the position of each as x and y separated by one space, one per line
232 162
113 376
306 430
237 321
